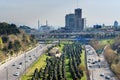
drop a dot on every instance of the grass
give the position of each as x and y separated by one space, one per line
40 63
66 42
68 74
83 65
61 47
106 41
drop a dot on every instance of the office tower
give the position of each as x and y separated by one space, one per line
83 23
115 24
78 13
70 21
78 20
75 22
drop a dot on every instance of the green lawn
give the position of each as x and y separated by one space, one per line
83 65
106 41
61 47
68 74
40 63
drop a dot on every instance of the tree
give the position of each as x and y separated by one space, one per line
118 50
10 46
1 43
16 46
2 57
5 39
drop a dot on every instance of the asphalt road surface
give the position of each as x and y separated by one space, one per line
13 69
97 65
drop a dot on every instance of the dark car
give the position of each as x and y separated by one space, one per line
20 63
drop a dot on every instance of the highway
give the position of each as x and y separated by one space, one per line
13 69
97 65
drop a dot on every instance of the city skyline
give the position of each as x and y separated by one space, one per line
29 12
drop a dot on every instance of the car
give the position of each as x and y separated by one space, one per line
16 74
14 64
19 67
99 60
107 77
93 62
88 61
30 59
20 63
90 66
26 61
102 74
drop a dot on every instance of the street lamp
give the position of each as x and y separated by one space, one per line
6 73
92 74
25 61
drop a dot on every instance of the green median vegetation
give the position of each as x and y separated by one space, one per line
83 66
69 66
40 63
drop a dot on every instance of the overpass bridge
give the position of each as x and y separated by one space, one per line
71 36
57 41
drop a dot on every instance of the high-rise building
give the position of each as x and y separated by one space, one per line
115 24
70 21
78 13
83 23
75 22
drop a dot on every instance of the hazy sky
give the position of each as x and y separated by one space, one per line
27 12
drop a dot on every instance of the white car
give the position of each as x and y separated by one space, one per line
17 74
19 67
107 77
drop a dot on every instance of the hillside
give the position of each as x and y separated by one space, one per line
13 41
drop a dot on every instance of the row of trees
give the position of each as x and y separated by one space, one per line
54 70
73 52
55 66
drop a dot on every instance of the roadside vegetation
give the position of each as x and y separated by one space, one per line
13 41
83 66
111 53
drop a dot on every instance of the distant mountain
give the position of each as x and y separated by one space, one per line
26 29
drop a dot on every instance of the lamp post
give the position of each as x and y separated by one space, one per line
6 73
93 74
25 61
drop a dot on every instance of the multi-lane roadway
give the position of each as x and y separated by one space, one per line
97 65
13 69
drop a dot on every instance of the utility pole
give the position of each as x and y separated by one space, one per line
25 61
77 3
6 73
38 24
